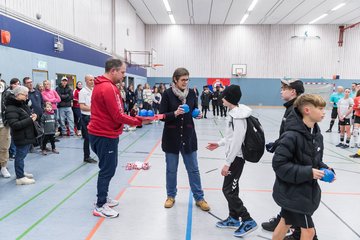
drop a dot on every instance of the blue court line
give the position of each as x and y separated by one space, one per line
189 218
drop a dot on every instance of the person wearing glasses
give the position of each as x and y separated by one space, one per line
35 102
179 136
20 119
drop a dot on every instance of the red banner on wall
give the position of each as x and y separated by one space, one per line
213 82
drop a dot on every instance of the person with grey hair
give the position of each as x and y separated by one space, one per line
21 121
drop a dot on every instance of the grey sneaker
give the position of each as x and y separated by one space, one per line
105 211
111 202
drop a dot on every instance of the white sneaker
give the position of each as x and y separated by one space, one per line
111 202
5 172
28 175
105 211
24 181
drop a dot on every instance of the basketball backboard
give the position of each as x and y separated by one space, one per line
239 69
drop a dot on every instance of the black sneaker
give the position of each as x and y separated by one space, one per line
329 130
271 224
340 145
90 160
345 146
355 156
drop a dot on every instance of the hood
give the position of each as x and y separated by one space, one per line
242 111
11 100
294 122
102 79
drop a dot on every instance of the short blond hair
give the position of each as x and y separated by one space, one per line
306 99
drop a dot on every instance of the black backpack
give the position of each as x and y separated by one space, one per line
253 146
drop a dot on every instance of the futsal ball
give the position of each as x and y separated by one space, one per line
143 113
150 113
195 113
185 107
329 175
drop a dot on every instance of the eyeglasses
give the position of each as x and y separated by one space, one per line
23 94
185 80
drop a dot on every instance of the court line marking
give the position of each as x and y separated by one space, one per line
189 217
70 195
46 189
343 221
39 194
246 190
101 220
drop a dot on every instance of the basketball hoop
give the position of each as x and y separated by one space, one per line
157 65
239 72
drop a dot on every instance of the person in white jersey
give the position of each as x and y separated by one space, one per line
345 109
85 104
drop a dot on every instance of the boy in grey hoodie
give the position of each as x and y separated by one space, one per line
234 137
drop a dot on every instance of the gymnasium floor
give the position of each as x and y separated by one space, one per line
59 205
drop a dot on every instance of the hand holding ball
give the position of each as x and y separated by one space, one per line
185 107
329 175
195 113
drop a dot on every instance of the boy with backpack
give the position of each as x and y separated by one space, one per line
235 135
298 165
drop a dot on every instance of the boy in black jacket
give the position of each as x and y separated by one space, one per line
49 123
297 163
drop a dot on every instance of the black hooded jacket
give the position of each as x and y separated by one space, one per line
299 151
18 117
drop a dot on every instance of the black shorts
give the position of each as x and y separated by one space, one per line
334 113
346 122
297 219
357 120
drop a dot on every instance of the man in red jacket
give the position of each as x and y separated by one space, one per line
106 124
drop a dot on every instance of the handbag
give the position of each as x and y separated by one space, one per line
39 130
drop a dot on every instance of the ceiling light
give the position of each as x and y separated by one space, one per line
167 5
244 18
172 19
338 6
317 19
252 5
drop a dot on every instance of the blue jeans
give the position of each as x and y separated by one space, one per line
107 151
66 113
21 152
12 148
191 164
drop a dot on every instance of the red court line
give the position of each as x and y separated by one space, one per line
101 220
247 190
146 160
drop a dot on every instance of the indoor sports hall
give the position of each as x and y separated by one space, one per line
263 46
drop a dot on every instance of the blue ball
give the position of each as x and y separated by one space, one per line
150 113
195 113
186 108
143 113
329 175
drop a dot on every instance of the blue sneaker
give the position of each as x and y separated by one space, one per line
228 223
245 228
